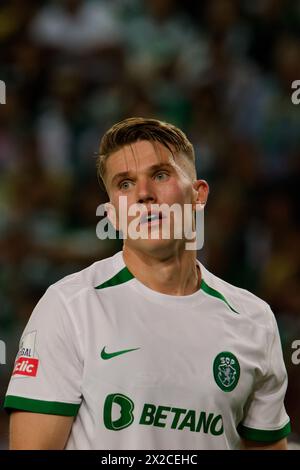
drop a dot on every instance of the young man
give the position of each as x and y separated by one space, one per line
147 349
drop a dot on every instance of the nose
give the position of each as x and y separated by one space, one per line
145 192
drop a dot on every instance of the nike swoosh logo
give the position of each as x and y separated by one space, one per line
105 355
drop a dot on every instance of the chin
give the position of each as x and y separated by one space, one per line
157 248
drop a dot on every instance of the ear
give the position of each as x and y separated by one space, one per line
200 193
111 214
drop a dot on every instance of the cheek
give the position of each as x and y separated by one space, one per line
122 204
175 192
115 203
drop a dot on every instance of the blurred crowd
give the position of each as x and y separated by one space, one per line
221 70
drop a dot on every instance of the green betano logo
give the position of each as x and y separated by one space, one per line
126 412
159 416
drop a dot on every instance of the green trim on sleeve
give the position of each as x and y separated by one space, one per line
12 402
262 435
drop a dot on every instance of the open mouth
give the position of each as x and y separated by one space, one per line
151 218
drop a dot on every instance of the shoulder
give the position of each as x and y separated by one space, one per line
74 285
247 304
63 301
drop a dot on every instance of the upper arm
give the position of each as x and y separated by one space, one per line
265 419
35 431
46 381
254 445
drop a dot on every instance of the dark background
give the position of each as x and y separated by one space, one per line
221 70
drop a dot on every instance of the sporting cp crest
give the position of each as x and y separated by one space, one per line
226 371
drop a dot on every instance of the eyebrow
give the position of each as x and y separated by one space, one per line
151 169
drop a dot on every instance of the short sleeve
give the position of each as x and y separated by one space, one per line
47 372
265 418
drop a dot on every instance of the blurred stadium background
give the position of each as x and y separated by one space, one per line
221 70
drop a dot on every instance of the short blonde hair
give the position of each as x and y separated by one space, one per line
134 129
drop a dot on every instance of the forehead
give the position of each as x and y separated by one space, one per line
138 157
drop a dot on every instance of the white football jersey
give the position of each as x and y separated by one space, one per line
143 370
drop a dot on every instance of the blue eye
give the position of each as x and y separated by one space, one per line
164 175
124 185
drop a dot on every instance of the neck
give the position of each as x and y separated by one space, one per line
176 274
